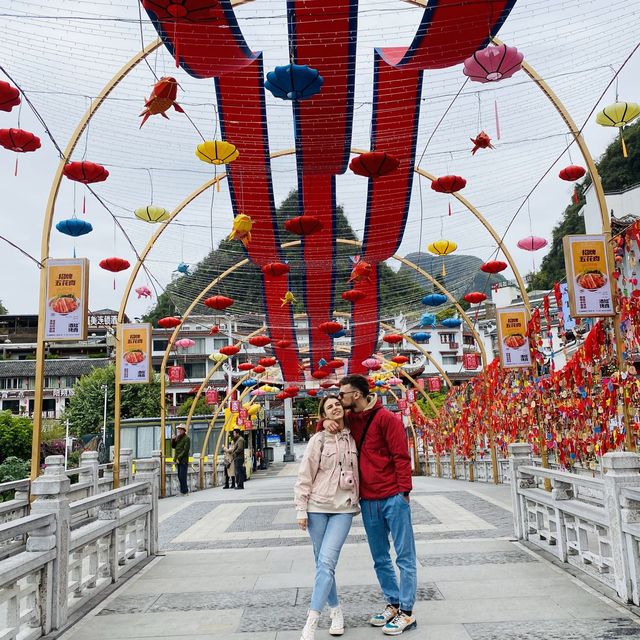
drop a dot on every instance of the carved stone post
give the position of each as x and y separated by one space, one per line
622 470
50 492
519 456
148 470
194 476
126 463
88 471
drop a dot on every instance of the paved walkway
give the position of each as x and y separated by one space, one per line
237 568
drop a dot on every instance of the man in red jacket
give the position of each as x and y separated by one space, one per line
385 484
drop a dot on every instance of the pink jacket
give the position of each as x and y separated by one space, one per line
320 469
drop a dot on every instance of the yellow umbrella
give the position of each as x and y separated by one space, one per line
152 214
618 115
442 248
217 152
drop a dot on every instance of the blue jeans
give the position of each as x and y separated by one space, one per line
328 531
392 516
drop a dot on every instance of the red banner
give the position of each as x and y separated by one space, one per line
434 384
211 396
176 374
470 361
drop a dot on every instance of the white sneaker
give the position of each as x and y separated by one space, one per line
401 623
380 619
309 631
337 621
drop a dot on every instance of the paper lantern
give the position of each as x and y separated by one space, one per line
19 140
294 82
421 336
618 115
74 227
245 366
327 385
258 392
493 63
442 248
451 323
393 338
335 364
475 297
281 396
259 369
229 350
218 302
114 264
184 343
470 361
303 225
176 374
268 388
434 299
532 243
215 329
249 382
448 184
218 357
169 322
292 391
373 364
217 152
267 362
572 173
394 382
152 214
275 269
400 359
353 295
252 409
493 266
339 334
434 384
282 344
259 341
320 374
211 396
330 327
312 392
374 164
427 320
9 96
85 172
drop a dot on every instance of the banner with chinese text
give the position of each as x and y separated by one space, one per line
135 353
513 341
66 299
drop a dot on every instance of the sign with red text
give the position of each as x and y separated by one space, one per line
411 395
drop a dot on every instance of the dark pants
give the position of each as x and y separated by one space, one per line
239 464
182 476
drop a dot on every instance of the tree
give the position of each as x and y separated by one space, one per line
15 436
3 309
85 408
202 408
438 398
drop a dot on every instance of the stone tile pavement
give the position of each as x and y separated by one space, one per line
235 567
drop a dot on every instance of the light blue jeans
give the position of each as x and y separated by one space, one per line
381 518
328 531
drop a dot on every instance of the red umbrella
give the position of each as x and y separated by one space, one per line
114 264
448 184
85 172
218 302
229 350
572 173
169 322
259 341
493 266
374 164
475 297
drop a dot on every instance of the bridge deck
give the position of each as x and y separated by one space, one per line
236 567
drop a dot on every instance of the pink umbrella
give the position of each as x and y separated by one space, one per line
371 363
493 63
185 343
258 392
394 382
532 243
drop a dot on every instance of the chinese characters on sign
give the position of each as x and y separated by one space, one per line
66 299
588 276
513 341
133 352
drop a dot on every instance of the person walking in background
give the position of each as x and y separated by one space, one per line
229 468
385 485
181 445
326 499
237 452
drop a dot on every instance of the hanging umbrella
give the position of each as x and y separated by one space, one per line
493 63
217 152
294 82
74 227
374 164
532 243
152 214
618 115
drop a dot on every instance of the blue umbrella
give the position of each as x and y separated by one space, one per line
434 299
421 336
249 382
294 82
451 322
74 227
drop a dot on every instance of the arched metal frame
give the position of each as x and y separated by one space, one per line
94 106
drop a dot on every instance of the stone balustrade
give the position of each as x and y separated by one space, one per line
592 524
68 549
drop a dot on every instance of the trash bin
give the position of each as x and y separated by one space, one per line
268 454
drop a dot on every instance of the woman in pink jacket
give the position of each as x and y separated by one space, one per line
326 499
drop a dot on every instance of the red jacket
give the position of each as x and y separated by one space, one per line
384 461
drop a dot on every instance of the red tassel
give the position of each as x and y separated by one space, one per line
15 170
449 208
495 109
114 284
84 204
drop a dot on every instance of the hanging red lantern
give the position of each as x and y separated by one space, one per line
19 140
211 396
434 384
85 172
176 374
276 269
114 264
353 295
448 184
218 302
327 385
330 327
259 341
282 395
320 374
374 164
245 366
475 297
169 322
312 392
9 96
400 359
335 364
230 350
282 344
267 362
393 338
303 225
493 266
470 361
532 243
214 330
258 369
572 173
292 391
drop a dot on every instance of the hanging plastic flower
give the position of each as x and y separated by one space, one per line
374 164
493 266
448 184
618 115
152 214
143 292
572 173
294 82
217 152
9 96
532 243
74 227
218 302
434 299
303 225
475 297
493 63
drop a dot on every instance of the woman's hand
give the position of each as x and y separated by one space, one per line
302 524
